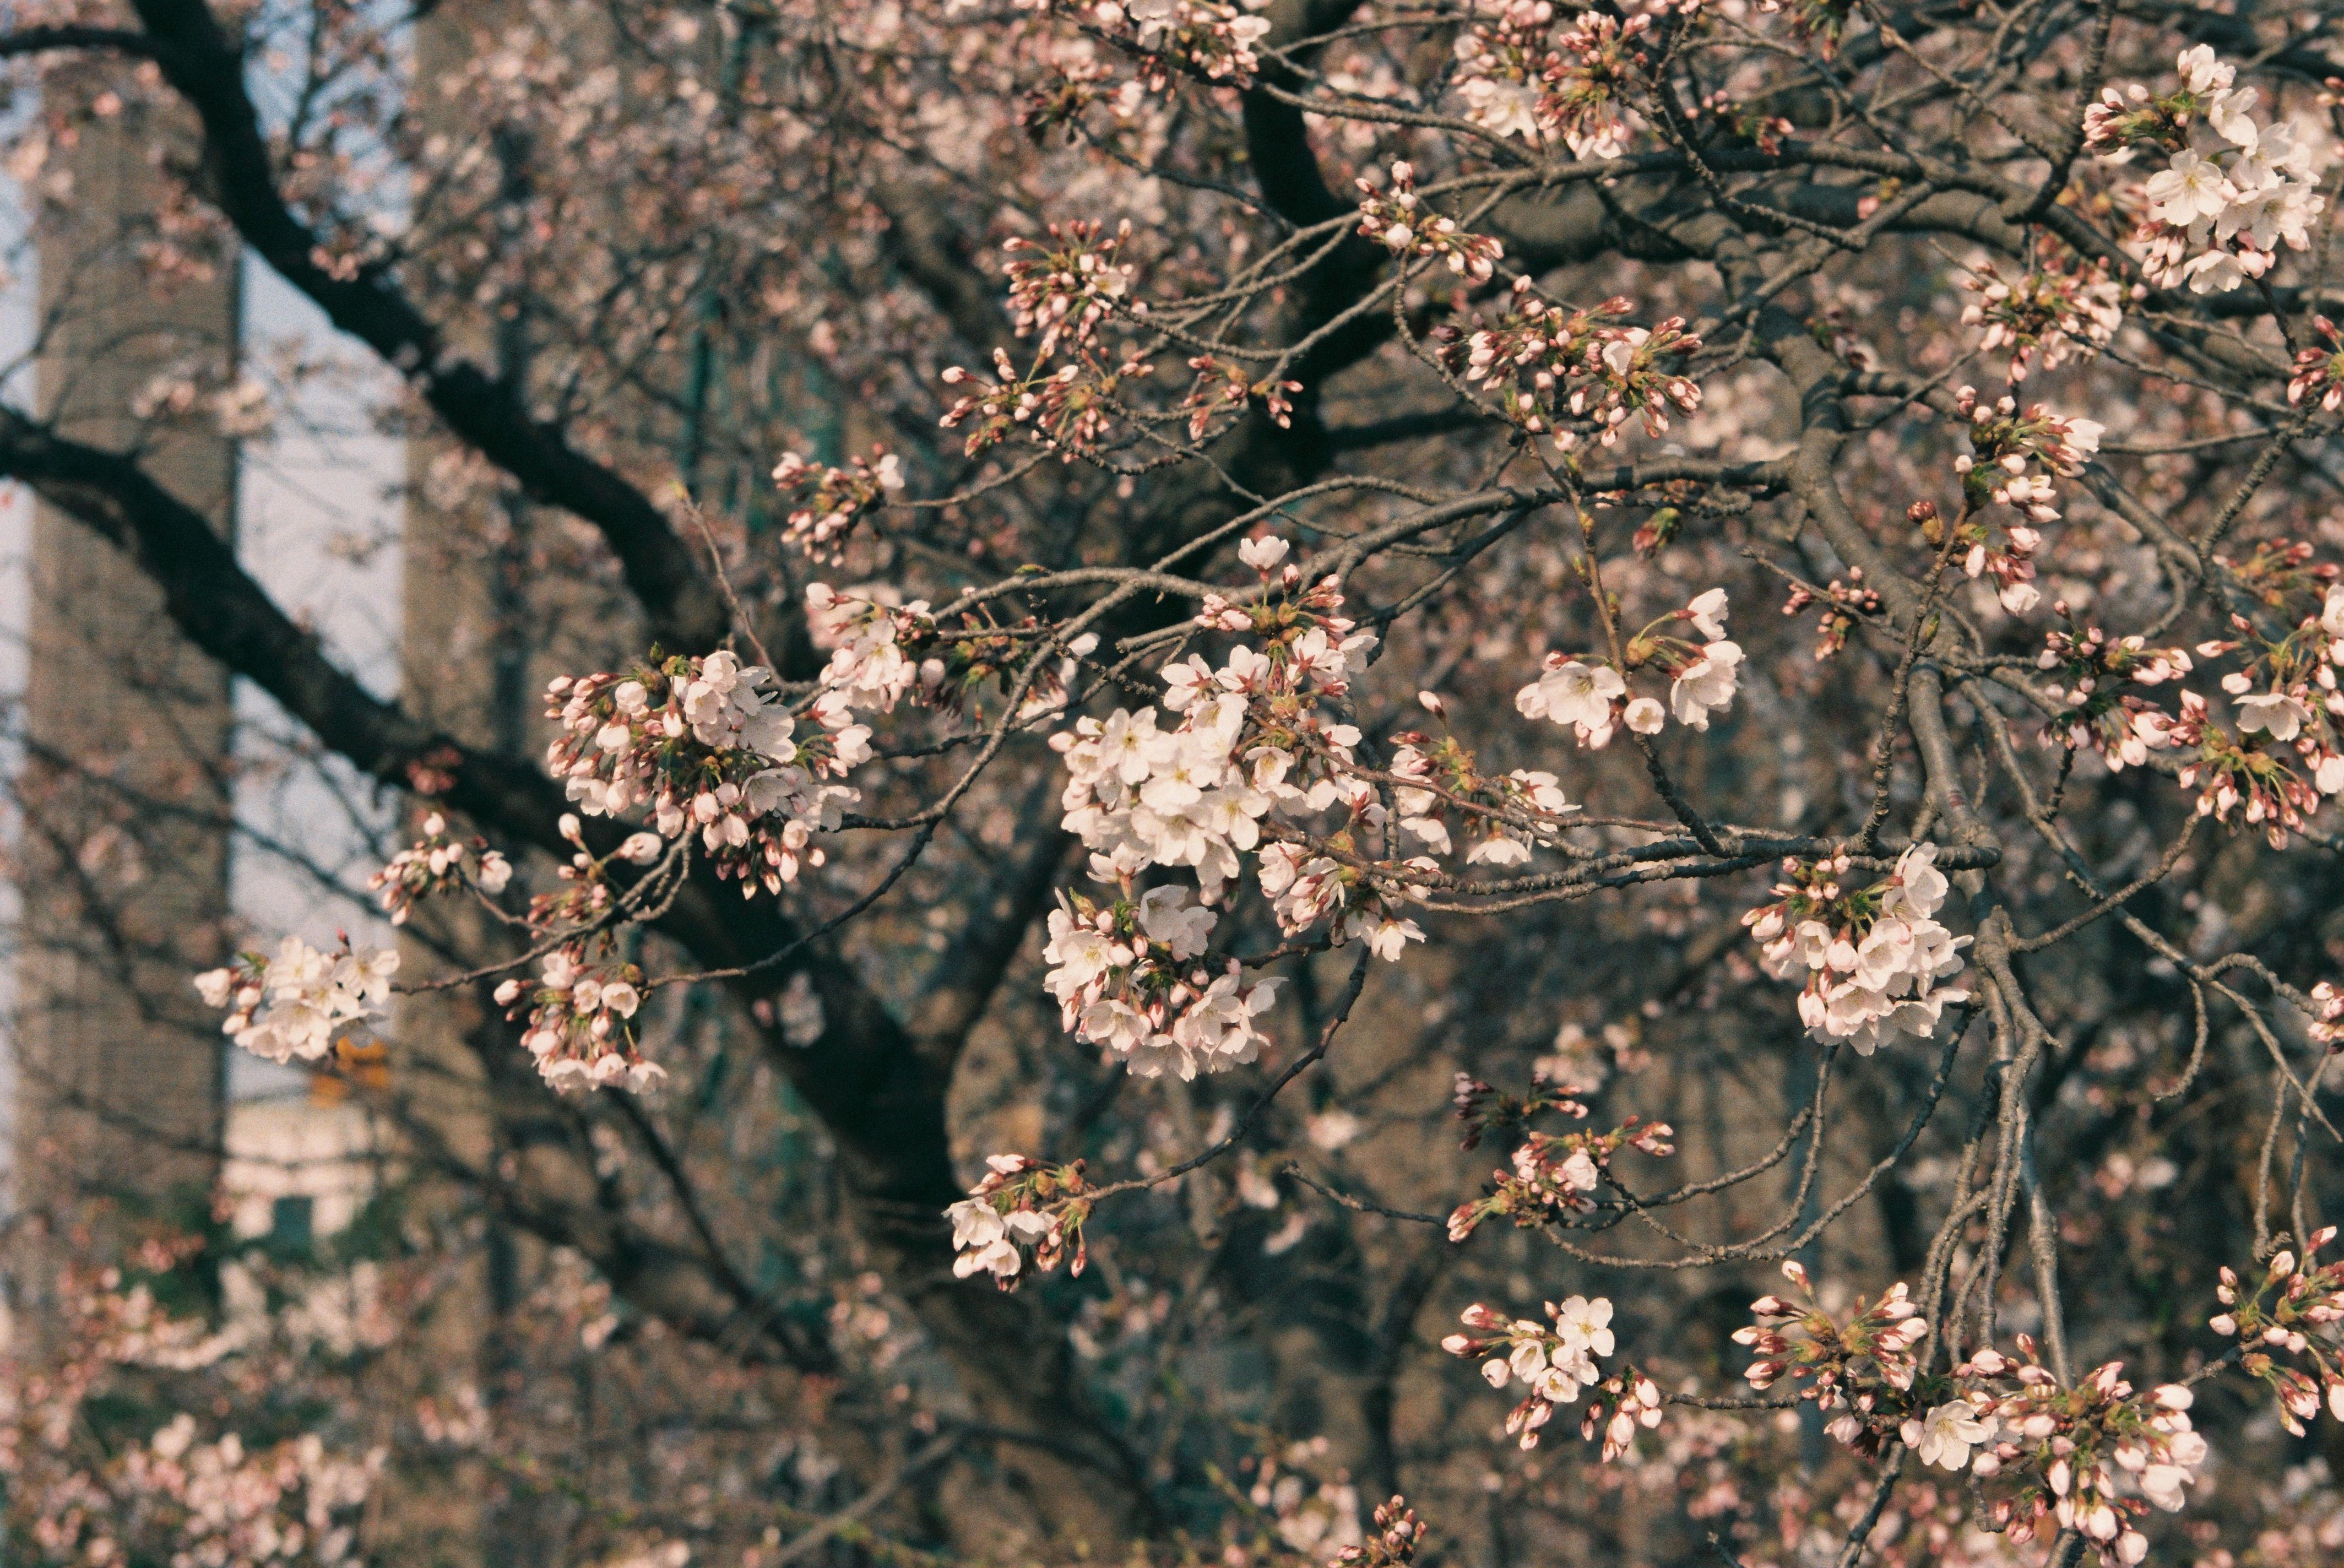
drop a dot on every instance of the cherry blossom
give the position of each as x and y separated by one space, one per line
1556 1361
303 1002
2214 219
438 863
1023 1213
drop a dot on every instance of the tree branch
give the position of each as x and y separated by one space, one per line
881 1098
490 412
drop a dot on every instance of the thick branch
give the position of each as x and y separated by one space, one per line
207 68
882 1098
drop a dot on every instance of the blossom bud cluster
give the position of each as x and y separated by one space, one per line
1062 291
1552 1174
579 1030
2093 1458
1863 1369
1486 1110
1391 1541
1064 287
1873 955
2296 1311
827 503
2091 669
302 1002
2055 312
2319 368
1405 227
1224 388
711 748
1720 116
1576 372
1066 86
1129 975
1820 23
1023 1212
2326 1025
1555 1362
1591 698
1593 75
1066 409
2012 461
2214 219
438 863
1843 603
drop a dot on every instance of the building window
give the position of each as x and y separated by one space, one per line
291 1223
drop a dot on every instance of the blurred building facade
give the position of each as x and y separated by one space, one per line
122 838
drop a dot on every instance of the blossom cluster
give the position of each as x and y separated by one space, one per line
2013 458
2093 1458
1255 734
1556 1361
1127 976
1524 807
1551 1174
1590 695
1211 38
1863 1369
825 502
1313 1513
2287 701
302 1002
877 648
1023 1211
578 1031
1396 218
1579 86
1141 795
2214 219
1500 60
1873 955
2091 670
709 745
216 1500
138 1428
2296 1309
1575 372
283 1502
2052 312
437 864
